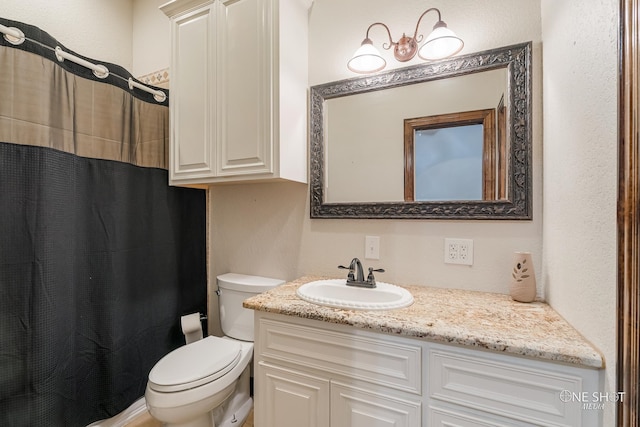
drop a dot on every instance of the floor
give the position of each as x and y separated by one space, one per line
249 422
145 420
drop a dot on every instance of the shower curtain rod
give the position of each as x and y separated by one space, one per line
14 36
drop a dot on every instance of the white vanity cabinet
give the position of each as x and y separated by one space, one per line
319 374
238 90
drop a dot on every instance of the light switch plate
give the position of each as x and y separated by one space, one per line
372 247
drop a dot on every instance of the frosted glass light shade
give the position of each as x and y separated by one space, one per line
441 43
367 59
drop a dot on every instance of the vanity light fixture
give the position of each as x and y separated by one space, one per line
441 43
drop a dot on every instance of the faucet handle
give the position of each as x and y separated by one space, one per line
370 278
350 276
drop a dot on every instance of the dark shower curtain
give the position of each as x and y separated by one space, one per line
99 257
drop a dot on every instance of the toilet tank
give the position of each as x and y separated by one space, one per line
235 320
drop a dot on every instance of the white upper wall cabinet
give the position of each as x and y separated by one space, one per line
238 104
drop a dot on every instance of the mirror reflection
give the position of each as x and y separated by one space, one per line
454 156
364 139
447 164
371 140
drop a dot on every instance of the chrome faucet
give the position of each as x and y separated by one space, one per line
355 277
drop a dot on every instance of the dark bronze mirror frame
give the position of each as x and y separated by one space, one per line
517 205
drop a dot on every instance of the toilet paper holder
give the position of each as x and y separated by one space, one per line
191 325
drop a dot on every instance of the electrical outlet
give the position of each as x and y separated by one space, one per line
458 251
372 247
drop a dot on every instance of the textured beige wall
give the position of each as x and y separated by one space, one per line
580 164
265 229
151 37
337 28
98 29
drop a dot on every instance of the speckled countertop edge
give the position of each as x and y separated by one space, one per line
474 319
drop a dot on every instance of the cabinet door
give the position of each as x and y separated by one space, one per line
245 58
193 94
355 407
287 398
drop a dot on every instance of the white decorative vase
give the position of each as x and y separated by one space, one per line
523 279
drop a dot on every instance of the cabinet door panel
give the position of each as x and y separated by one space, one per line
354 407
192 115
244 49
289 398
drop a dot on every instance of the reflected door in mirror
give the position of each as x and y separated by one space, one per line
452 157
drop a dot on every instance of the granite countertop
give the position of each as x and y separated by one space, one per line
475 319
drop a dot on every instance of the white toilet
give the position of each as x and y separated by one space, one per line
206 383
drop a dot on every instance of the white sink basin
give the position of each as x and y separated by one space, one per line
335 293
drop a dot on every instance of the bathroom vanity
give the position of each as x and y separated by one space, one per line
452 358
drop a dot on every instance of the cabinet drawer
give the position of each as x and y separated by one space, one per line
355 407
525 393
387 362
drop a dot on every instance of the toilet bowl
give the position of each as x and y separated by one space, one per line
207 383
186 385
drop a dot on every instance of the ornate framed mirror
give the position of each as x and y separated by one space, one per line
357 137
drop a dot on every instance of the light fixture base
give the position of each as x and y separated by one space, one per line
405 49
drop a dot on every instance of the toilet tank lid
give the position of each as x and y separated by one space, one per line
247 283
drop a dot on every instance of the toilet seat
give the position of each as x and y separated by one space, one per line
195 364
